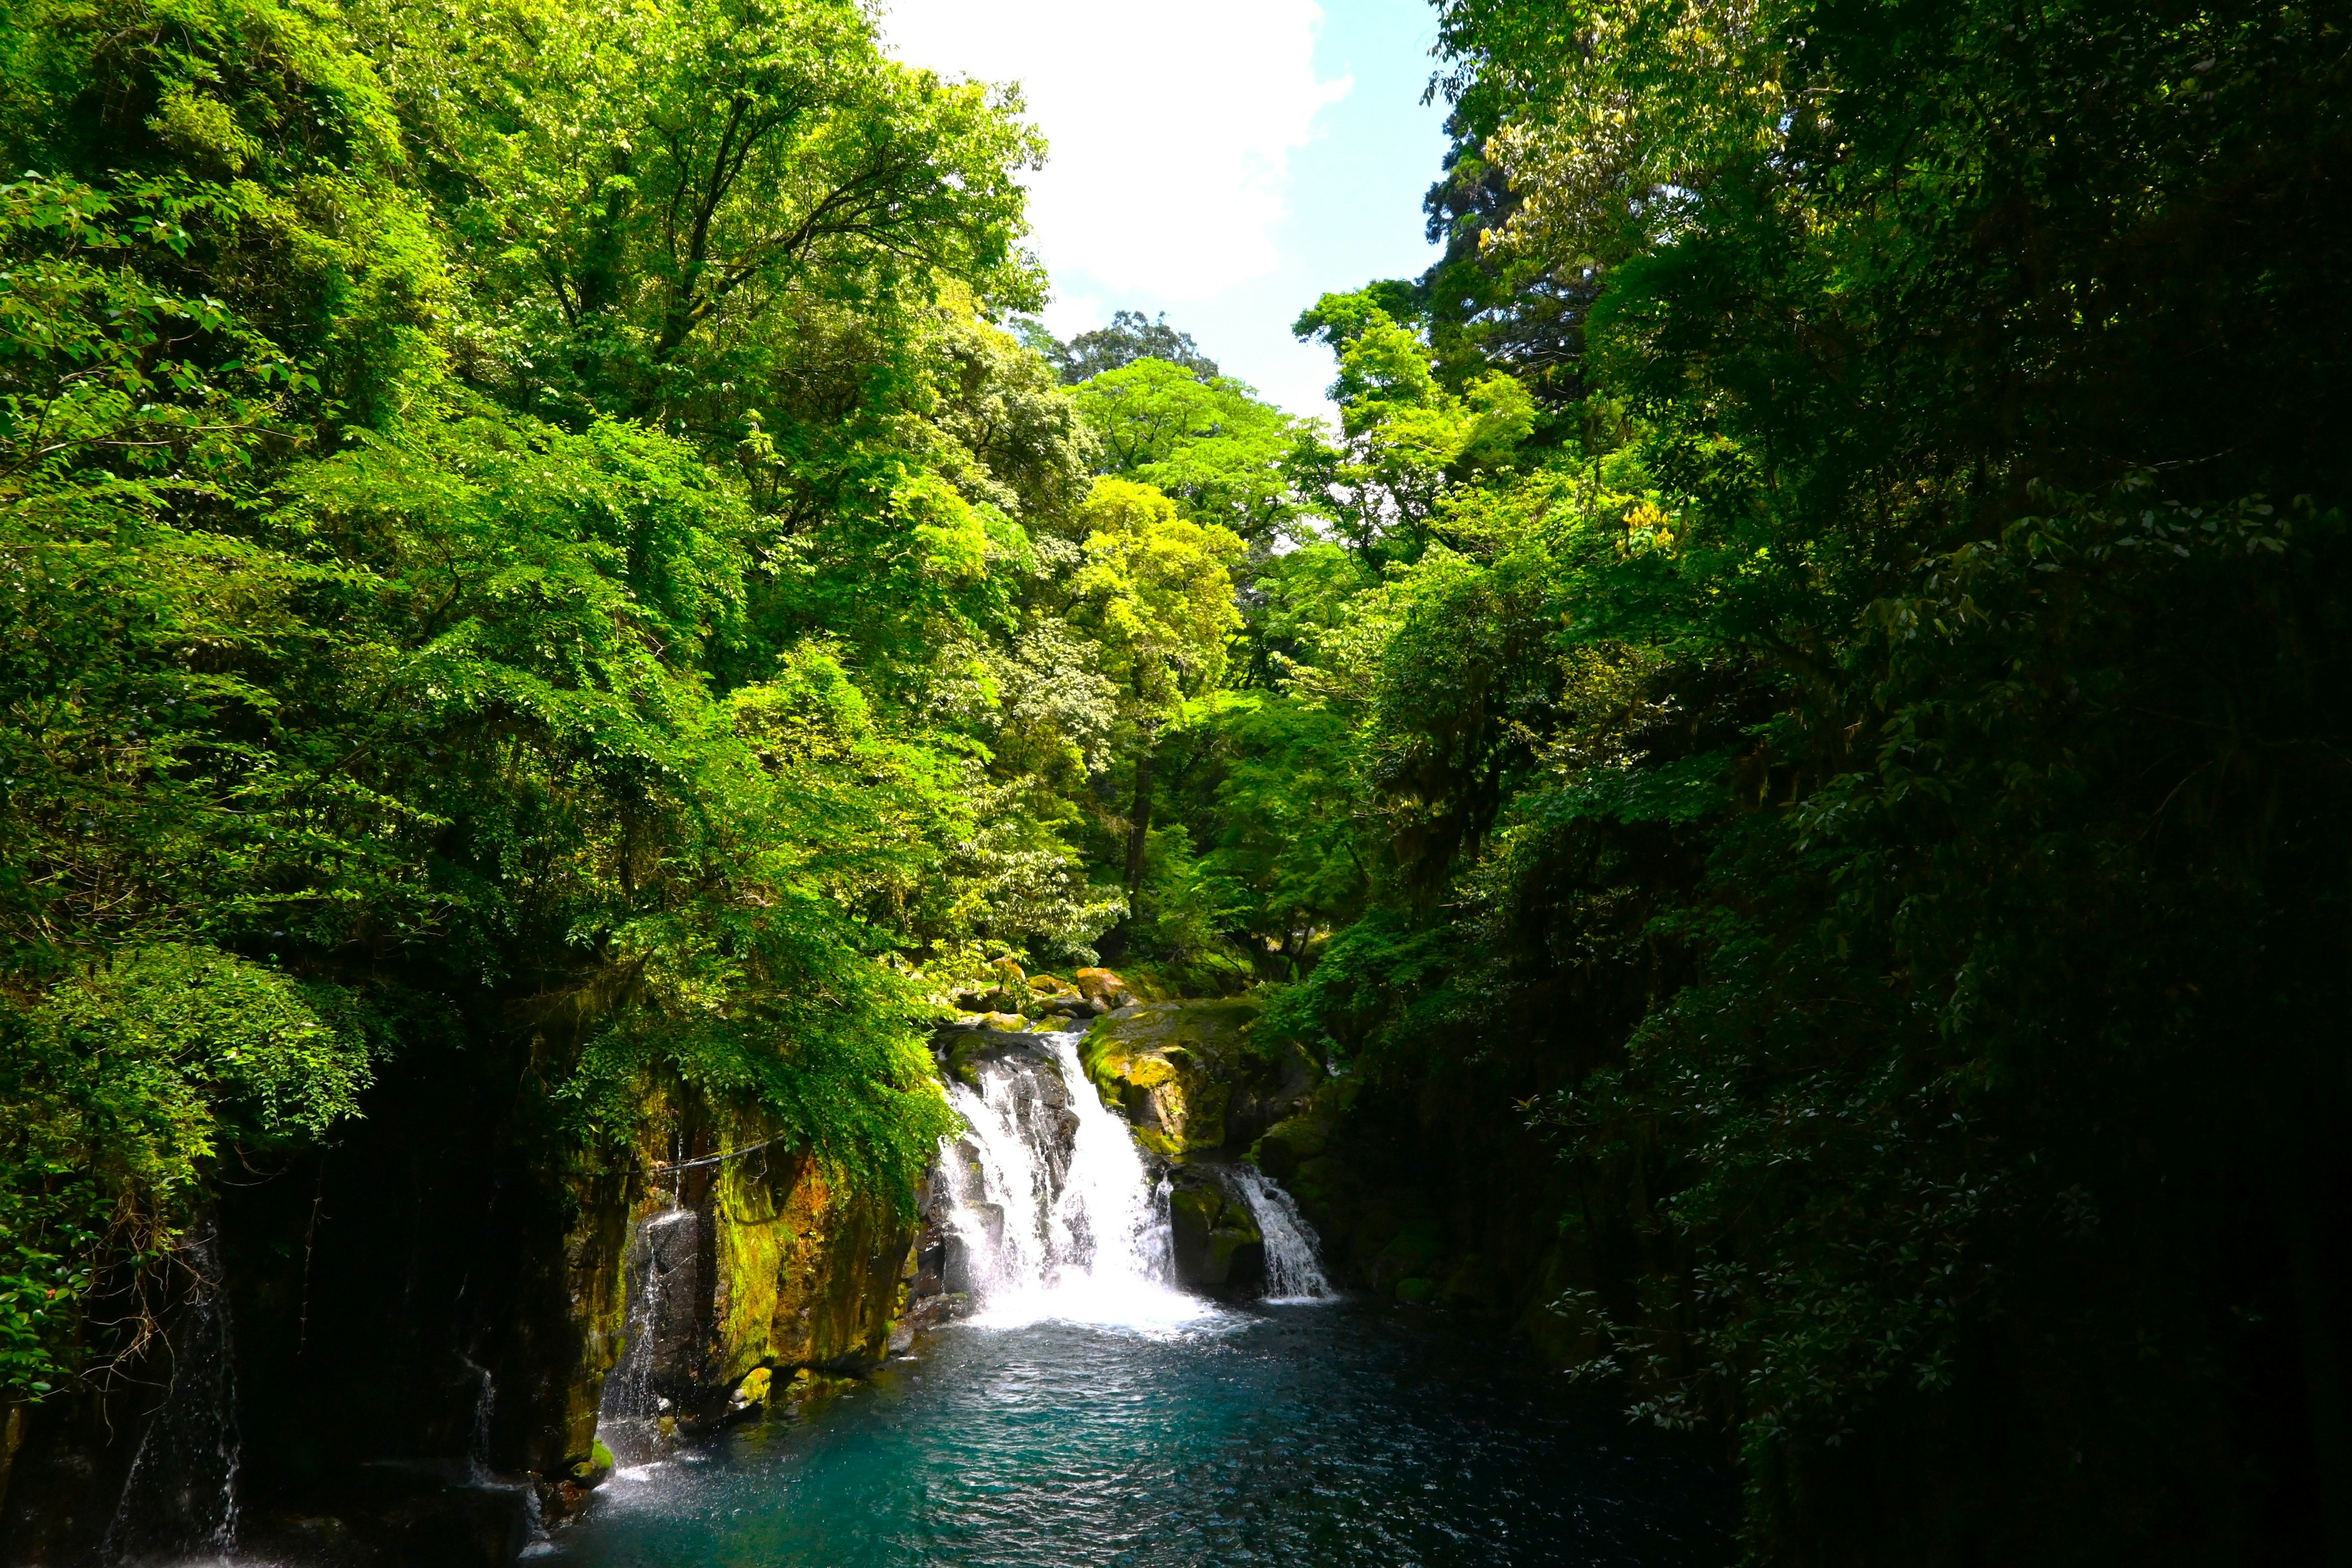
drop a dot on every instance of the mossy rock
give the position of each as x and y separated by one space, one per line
1216 1241
754 1388
1289 1144
962 1050
1475 1283
593 1470
1414 1290
1414 1252
1181 1071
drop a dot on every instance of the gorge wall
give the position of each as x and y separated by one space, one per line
429 1342
420 1323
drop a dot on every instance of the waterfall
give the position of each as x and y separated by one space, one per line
486 1401
1053 1211
660 1259
537 1542
180 1497
1294 1268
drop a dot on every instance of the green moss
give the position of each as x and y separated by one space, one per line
1415 1290
1170 1066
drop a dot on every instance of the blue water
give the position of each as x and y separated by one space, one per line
1303 1435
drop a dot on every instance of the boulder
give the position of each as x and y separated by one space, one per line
1191 1077
1290 1143
753 1389
1101 986
1217 1245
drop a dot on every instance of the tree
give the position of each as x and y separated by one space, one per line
507 512
1128 338
1156 593
1830 745
1210 445
1407 436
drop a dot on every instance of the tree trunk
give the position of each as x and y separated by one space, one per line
1139 824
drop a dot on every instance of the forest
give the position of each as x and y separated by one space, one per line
1789 755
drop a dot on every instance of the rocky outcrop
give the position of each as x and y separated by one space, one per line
809 1269
1015 1001
1192 1077
1200 1086
740 1275
1217 1244
427 1317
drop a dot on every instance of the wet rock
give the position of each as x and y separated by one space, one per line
1290 1142
932 1312
1412 1253
398 1515
753 1389
592 1471
1217 1246
961 1051
809 1269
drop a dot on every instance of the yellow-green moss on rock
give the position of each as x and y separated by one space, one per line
1178 1069
808 1268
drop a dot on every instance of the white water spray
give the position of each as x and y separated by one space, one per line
1056 1215
629 1418
1294 1268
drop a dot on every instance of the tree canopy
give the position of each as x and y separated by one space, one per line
1787 751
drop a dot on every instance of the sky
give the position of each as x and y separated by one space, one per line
1223 160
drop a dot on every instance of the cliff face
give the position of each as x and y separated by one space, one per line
810 1272
419 1326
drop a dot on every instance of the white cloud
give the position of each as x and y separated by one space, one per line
1171 125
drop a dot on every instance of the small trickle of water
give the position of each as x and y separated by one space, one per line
1051 1203
486 1398
180 1498
1294 1265
628 1417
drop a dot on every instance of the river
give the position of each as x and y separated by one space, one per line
1301 1435
1091 1413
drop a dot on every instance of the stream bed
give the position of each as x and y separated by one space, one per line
1301 1435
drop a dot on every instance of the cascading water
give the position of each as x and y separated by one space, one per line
477 1461
180 1499
1055 1212
660 1256
486 1399
1294 1268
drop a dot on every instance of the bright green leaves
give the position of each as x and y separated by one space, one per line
1156 593
1211 446
518 503
248 1043
1407 437
652 192
114 1093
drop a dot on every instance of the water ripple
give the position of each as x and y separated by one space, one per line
1305 1436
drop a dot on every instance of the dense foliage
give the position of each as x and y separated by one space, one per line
1849 747
1788 748
520 531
